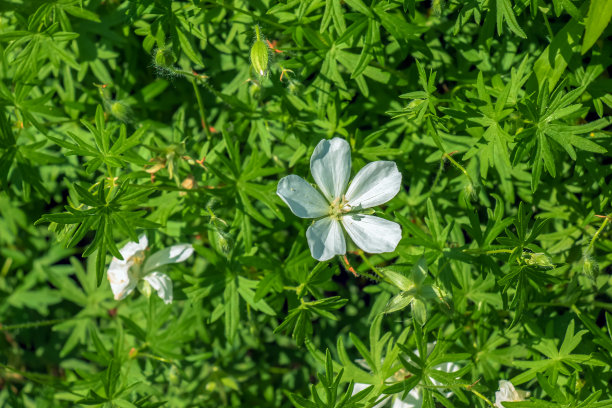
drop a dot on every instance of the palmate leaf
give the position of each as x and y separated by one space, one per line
329 383
548 135
107 212
104 149
558 360
299 319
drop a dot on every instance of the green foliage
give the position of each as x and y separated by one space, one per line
177 119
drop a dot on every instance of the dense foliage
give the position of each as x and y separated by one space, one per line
176 120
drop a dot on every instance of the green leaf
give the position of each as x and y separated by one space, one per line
505 12
600 13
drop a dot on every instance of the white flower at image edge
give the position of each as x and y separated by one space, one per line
125 275
414 398
507 393
339 207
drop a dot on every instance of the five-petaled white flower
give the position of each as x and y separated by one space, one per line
125 275
414 398
507 393
375 184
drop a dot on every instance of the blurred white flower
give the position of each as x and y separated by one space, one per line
338 207
414 398
507 393
124 275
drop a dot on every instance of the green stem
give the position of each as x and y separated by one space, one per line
202 110
31 325
550 32
482 397
489 252
460 167
372 267
437 179
592 243
257 33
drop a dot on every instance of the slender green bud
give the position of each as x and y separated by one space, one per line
121 111
436 7
590 267
259 54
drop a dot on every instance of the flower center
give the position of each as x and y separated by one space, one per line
338 208
138 258
135 262
402 374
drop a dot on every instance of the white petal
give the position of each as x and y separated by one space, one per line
122 283
325 239
372 234
375 184
330 165
174 254
130 249
301 197
162 284
506 393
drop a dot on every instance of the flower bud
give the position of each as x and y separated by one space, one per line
436 7
259 54
174 375
145 288
470 192
539 259
293 86
121 111
590 267
164 58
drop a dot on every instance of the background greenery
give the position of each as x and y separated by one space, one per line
118 118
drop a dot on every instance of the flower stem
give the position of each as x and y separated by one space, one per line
460 167
492 251
602 226
372 267
202 110
31 325
482 397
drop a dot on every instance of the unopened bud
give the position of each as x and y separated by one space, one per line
259 54
437 6
174 375
539 259
470 192
165 58
293 86
590 267
121 111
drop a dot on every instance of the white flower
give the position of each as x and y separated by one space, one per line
414 398
375 184
507 393
125 275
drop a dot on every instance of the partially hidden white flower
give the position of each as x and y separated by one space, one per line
507 393
339 207
124 275
414 398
